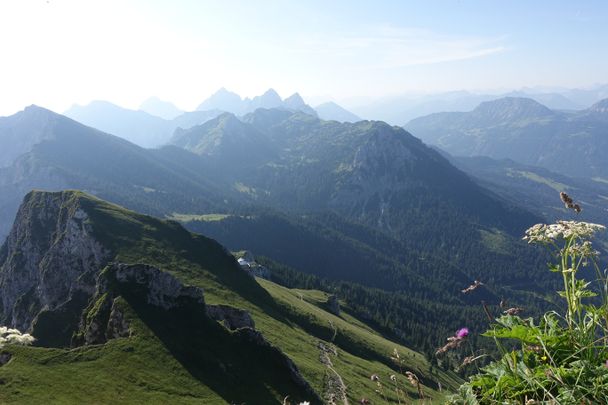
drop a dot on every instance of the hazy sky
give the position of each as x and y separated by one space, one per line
58 52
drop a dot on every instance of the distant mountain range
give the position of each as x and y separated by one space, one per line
398 110
364 209
536 189
138 127
228 101
154 123
570 143
56 153
369 173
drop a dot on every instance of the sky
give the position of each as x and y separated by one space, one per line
55 53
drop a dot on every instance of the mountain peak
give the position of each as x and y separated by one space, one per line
332 111
224 100
36 109
160 108
270 99
224 91
294 101
508 108
271 93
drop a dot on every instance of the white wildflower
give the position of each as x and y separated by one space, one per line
13 336
543 233
584 249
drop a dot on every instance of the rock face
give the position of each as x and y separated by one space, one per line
49 257
104 319
333 305
232 318
118 326
163 290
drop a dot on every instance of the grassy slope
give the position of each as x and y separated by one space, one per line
361 350
142 368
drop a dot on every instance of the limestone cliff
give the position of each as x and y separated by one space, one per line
49 261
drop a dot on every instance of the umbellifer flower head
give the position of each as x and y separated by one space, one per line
543 233
13 336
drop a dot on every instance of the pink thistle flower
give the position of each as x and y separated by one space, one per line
462 333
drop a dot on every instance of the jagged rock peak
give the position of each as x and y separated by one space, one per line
294 101
271 93
50 257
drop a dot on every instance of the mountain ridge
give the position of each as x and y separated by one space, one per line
231 102
570 143
136 126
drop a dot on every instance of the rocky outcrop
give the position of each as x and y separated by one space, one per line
162 289
232 318
333 305
105 318
118 326
49 257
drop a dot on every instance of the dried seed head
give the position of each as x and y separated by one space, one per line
412 378
472 287
453 343
569 203
513 311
